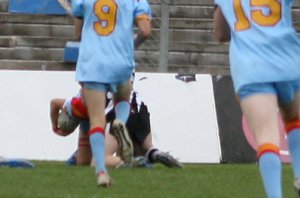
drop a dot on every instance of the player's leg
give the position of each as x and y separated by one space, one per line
84 152
290 106
112 152
111 157
154 155
111 147
94 97
147 142
122 110
140 130
121 101
261 112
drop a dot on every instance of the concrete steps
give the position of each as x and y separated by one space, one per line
201 47
35 65
186 2
31 41
199 56
28 53
9 20
67 32
190 41
6 17
4 5
36 42
19 29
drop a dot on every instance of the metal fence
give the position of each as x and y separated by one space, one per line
154 53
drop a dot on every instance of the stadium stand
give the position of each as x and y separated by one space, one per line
71 51
36 7
37 41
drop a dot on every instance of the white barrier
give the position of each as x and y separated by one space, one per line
183 115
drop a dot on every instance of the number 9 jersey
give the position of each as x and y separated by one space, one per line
264 46
106 52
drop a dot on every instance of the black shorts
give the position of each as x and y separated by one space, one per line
138 126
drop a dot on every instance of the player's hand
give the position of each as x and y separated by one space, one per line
59 132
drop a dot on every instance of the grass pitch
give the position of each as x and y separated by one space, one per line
56 180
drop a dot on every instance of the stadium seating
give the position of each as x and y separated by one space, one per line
71 52
36 7
29 41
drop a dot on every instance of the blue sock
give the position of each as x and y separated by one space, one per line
270 170
97 142
122 110
294 149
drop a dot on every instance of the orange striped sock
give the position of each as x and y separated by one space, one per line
267 147
292 125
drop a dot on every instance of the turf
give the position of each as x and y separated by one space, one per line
56 180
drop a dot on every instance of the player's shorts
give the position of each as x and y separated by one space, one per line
138 126
285 90
104 87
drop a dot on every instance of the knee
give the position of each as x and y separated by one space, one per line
291 125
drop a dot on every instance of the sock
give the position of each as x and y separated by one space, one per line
97 142
270 169
122 110
294 149
151 154
84 142
72 161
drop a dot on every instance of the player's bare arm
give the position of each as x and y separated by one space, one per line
221 27
144 26
56 105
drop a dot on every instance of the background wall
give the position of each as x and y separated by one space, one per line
25 122
235 147
183 115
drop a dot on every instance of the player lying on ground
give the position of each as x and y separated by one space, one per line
138 126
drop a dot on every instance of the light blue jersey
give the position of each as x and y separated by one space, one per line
106 53
264 46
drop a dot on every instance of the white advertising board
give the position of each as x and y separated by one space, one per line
183 115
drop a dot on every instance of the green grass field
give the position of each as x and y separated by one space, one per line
56 180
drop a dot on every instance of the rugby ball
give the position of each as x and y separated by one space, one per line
66 123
